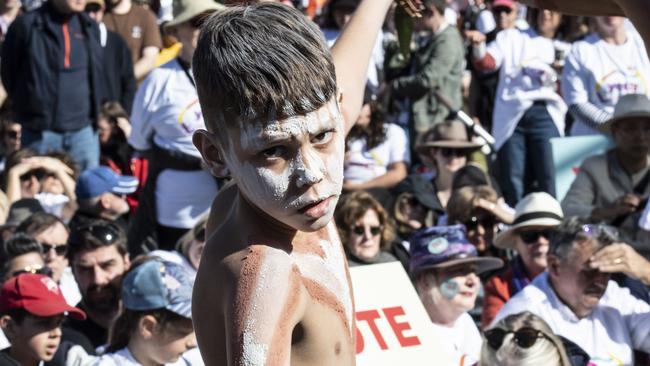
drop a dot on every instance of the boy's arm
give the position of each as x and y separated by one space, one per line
351 54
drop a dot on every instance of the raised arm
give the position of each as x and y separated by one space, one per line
351 54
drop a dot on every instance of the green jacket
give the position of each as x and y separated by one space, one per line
437 65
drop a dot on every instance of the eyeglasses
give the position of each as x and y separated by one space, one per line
524 337
107 233
360 230
531 236
485 221
600 231
449 152
36 269
60 249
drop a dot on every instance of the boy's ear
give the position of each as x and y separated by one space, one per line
8 326
147 326
206 143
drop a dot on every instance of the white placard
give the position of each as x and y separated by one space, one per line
393 327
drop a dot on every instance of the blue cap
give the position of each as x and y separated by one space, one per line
155 285
445 246
97 181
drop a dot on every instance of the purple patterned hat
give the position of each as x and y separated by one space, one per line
445 246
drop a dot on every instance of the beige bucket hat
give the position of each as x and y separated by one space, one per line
628 106
185 10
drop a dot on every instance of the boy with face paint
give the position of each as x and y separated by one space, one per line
273 287
445 268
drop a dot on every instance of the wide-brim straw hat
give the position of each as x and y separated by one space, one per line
448 134
536 209
628 106
185 10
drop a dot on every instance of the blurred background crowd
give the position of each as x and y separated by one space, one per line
100 182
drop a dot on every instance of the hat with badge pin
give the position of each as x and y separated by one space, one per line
440 247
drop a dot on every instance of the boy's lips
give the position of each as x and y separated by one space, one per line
316 209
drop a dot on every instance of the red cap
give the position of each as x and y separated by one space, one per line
504 3
38 295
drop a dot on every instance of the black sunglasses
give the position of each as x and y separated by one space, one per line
60 249
524 337
485 222
37 173
37 269
449 152
531 236
360 230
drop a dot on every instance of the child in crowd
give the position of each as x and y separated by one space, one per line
155 325
32 309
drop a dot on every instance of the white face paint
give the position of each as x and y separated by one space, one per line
292 169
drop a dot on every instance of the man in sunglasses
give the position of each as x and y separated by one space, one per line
579 301
52 234
536 215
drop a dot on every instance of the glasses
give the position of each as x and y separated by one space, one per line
360 230
60 249
449 152
107 233
36 269
600 232
486 222
531 236
524 337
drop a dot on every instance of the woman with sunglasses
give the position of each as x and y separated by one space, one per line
524 339
536 216
365 230
445 268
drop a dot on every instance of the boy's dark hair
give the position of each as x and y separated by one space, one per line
39 222
17 315
96 234
127 322
261 61
17 245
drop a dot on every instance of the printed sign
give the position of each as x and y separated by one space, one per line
568 155
393 327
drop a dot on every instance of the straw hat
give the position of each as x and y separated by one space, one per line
628 106
536 209
185 10
448 134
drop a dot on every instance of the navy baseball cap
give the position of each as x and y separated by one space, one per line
156 284
97 181
445 246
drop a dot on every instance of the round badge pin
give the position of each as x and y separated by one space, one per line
438 245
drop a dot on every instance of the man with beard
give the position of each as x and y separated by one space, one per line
576 297
613 187
98 256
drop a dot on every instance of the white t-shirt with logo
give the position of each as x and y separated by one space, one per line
166 111
362 165
526 76
619 324
600 73
464 340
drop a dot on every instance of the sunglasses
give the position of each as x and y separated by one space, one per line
360 230
37 269
531 236
37 173
106 233
486 222
60 249
524 337
449 152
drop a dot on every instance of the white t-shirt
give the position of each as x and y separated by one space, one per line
362 165
69 287
525 76
619 323
166 111
464 340
124 357
599 73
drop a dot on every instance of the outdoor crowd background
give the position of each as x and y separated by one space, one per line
98 165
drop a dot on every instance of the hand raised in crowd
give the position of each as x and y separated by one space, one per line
624 205
124 125
620 257
475 37
496 209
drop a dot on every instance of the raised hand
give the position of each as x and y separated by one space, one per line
413 8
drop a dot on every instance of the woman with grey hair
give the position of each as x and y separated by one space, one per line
523 339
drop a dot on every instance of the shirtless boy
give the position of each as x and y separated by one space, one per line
273 287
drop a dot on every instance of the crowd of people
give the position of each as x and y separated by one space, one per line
104 197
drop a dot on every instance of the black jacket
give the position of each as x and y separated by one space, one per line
120 79
31 55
